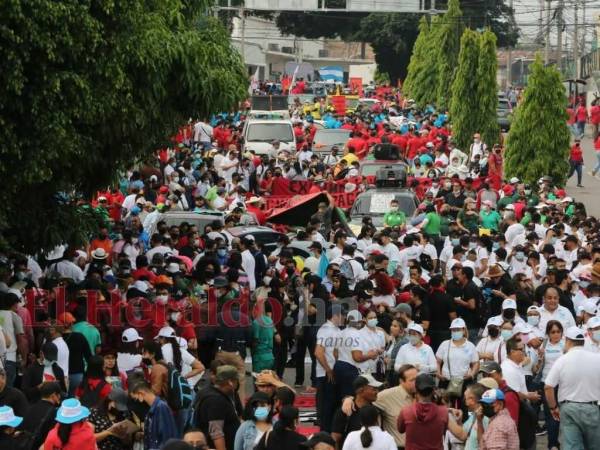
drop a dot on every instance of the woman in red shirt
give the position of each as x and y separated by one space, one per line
72 432
576 161
93 388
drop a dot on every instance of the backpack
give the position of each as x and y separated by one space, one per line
91 397
346 270
179 391
527 422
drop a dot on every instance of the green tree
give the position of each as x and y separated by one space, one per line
425 81
417 59
464 105
538 141
487 90
86 88
448 47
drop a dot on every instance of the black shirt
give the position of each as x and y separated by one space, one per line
344 424
456 201
39 420
15 399
505 286
79 351
280 439
420 312
440 306
213 405
470 316
235 338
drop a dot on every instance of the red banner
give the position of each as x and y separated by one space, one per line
339 104
356 85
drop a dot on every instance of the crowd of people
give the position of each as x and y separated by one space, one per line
472 323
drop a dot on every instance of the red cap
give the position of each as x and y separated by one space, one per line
163 189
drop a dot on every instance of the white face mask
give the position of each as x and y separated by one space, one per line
175 316
267 280
162 299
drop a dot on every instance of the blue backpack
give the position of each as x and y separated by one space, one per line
179 391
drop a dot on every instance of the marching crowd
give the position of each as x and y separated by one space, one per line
472 323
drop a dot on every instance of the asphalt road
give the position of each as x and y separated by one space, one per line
588 194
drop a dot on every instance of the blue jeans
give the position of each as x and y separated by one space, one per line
75 380
10 367
597 166
579 426
576 167
552 425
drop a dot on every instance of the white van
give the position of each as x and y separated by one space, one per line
259 134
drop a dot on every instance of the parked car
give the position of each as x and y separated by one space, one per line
264 235
200 220
504 113
370 167
260 134
376 202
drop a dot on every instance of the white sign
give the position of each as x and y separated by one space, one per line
380 203
285 5
385 5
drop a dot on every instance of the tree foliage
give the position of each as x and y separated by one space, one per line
417 58
487 90
87 87
538 141
464 104
448 46
427 74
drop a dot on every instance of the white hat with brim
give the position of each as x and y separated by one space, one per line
131 335
8 418
71 411
56 253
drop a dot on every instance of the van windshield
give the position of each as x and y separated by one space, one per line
268 132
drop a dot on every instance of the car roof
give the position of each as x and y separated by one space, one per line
238 231
334 130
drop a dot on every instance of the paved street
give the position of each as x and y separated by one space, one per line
589 193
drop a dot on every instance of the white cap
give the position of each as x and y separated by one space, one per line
575 334
182 342
594 322
166 332
566 200
57 253
509 303
533 308
495 321
131 335
415 327
589 307
521 328
540 206
514 180
510 206
354 316
140 285
172 268
458 323
372 381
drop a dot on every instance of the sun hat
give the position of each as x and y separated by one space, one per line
494 271
8 418
488 382
99 253
71 411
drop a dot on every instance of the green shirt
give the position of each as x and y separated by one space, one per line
262 334
526 219
91 334
434 224
394 218
490 220
469 221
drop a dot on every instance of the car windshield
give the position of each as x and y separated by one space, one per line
378 203
267 132
503 104
351 103
331 137
371 169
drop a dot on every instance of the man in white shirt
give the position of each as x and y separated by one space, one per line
229 166
248 261
12 325
328 339
515 230
346 367
477 147
592 340
513 373
55 330
203 133
551 310
576 375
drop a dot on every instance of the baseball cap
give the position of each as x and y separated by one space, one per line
354 316
492 395
415 327
490 367
66 318
594 322
575 334
589 307
533 308
458 323
509 303
165 332
366 379
403 308
119 396
131 335
495 321
514 180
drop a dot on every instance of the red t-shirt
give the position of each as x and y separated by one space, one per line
581 114
93 384
576 154
424 424
571 114
595 114
511 401
413 146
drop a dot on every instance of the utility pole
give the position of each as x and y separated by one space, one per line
559 33
243 17
540 21
584 25
509 56
547 49
576 40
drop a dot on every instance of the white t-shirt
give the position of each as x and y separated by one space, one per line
349 338
422 355
63 354
367 340
489 345
514 376
461 358
202 132
512 233
128 361
551 354
382 440
328 337
577 374
2 347
187 359
249 264
12 325
562 314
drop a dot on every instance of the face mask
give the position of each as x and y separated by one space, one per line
472 245
176 179
261 412
552 240
533 320
414 340
596 335
162 299
457 335
584 284
222 252
455 241
393 208
495 246
493 332
509 314
506 334
519 256
113 411
488 410
372 323
525 338
47 363
267 280
175 316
